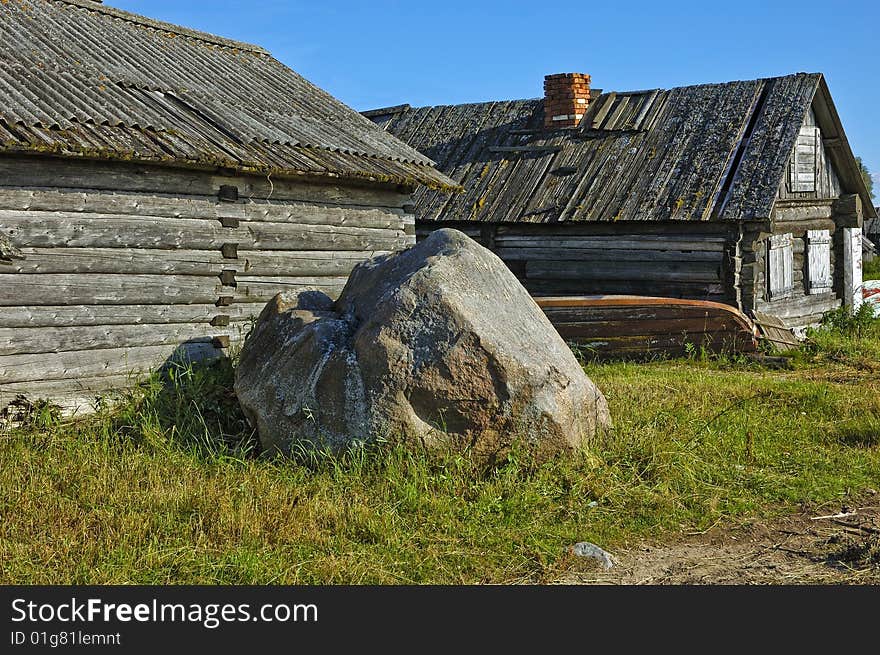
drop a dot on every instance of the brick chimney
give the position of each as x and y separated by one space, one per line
566 96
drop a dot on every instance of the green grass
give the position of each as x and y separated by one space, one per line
167 487
871 269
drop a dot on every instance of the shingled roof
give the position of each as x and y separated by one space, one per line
81 79
707 152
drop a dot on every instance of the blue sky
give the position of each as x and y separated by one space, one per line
386 52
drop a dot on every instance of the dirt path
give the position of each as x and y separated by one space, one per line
842 547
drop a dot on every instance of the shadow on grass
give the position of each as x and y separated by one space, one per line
187 405
195 405
865 434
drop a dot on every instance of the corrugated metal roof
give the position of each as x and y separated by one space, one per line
712 151
80 78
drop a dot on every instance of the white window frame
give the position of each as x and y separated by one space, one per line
819 261
780 266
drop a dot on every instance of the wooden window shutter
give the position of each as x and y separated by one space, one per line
803 167
819 261
780 266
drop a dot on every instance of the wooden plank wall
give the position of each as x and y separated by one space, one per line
679 260
127 266
827 181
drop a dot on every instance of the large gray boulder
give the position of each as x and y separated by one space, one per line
439 344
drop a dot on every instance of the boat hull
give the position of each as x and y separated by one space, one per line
644 326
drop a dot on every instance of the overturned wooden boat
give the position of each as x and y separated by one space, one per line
645 326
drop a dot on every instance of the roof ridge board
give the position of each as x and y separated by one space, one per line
488 103
386 111
164 26
604 93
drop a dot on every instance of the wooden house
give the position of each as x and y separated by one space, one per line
159 184
872 229
745 193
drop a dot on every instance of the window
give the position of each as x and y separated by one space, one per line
819 261
780 265
803 165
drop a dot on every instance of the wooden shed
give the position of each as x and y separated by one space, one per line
745 192
158 185
872 229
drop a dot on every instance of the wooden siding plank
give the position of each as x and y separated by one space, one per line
81 315
36 340
47 173
610 254
72 229
584 270
627 242
105 289
261 289
72 396
95 363
119 260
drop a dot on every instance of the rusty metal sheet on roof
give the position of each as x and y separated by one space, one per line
704 152
80 78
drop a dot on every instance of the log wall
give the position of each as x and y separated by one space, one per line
801 309
678 260
125 266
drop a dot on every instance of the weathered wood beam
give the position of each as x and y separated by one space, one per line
848 211
128 261
261 289
45 172
302 263
802 212
524 149
81 315
609 254
94 363
106 289
70 395
22 340
799 306
606 270
78 230
122 204
619 243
